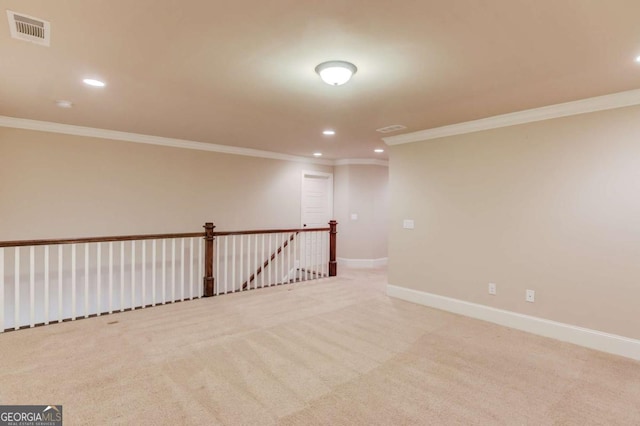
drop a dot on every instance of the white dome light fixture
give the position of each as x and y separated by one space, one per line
336 73
93 82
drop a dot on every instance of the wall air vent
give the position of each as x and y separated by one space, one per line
390 129
28 28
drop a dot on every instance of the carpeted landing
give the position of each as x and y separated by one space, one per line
333 352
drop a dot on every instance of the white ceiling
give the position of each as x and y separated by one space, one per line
242 73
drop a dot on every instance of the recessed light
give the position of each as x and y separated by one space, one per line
329 132
638 59
317 154
93 82
378 150
64 104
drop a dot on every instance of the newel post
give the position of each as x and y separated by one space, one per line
208 259
333 264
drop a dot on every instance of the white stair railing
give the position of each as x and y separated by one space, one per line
49 281
246 260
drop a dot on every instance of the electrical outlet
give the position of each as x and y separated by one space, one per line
492 288
530 296
408 224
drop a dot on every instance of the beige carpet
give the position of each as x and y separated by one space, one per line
334 352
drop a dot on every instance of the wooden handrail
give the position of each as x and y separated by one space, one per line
268 231
23 243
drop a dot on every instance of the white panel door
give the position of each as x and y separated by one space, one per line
317 199
316 212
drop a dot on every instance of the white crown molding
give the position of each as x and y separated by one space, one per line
361 161
599 103
68 129
593 339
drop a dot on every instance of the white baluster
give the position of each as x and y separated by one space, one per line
317 260
312 253
257 265
60 255
16 288
241 261
73 282
324 254
86 280
110 277
153 273
99 279
296 273
201 268
310 257
144 274
306 257
133 275
191 260
269 278
233 264
164 271
173 270
121 276
282 258
1 289
32 286
289 258
303 237
46 287
226 263
277 267
278 259
182 269
262 265
248 261
217 273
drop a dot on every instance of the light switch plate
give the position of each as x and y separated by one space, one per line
354 216
408 224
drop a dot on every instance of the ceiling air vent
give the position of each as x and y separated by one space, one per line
389 129
28 28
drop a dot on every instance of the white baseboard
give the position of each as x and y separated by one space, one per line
362 263
605 342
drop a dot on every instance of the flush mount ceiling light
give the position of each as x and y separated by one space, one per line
336 73
328 132
378 150
93 82
317 154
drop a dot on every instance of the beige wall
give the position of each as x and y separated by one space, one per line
54 185
363 190
552 206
